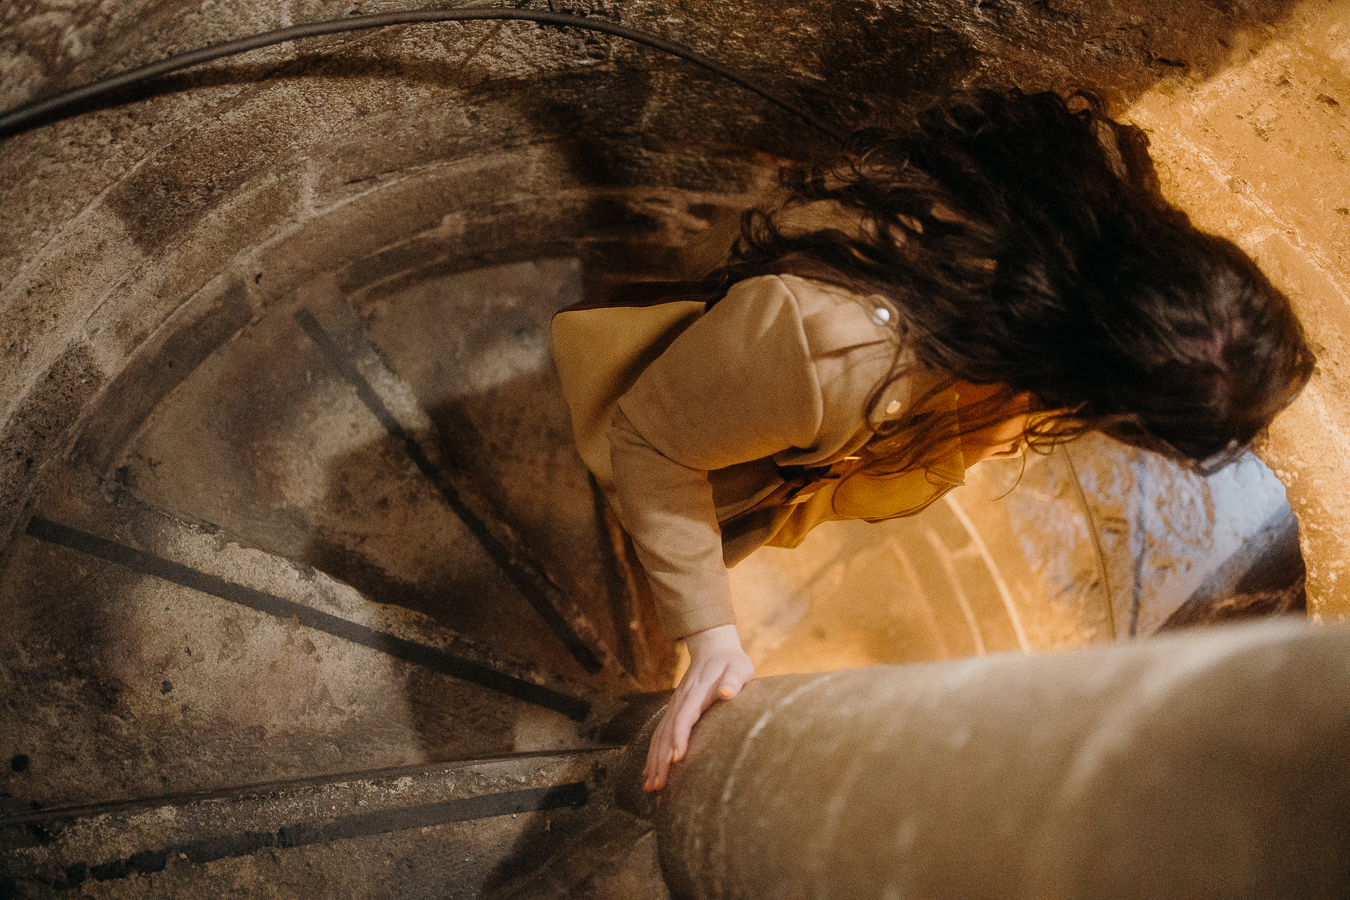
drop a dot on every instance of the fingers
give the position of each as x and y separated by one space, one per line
731 686
696 692
660 755
718 669
671 739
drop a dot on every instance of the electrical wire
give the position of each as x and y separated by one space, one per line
68 103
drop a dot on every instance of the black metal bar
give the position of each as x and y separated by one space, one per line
55 107
417 654
301 834
510 558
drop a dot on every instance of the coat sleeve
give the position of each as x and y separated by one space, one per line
740 384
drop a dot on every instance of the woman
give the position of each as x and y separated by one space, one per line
1005 274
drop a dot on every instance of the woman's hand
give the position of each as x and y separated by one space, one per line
718 669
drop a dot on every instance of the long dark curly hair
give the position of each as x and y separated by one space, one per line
1027 244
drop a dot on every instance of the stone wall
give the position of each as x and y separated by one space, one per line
140 235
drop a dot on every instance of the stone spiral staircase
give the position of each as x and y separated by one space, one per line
319 602
339 619
343 616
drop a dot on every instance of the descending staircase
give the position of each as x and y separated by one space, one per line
341 614
332 621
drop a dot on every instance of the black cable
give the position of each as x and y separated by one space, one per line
60 105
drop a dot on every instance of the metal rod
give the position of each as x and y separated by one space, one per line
65 103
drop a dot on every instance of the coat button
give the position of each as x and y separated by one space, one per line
893 407
881 315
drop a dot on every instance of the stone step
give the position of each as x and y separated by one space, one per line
456 830
146 657
616 858
472 349
298 436
1099 542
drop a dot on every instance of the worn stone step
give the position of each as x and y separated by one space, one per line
297 436
145 657
448 831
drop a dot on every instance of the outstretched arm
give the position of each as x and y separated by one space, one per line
739 385
668 510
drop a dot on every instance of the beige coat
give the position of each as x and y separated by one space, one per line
744 431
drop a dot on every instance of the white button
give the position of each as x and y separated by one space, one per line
881 315
893 407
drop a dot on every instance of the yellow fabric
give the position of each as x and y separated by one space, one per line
778 374
599 353
850 491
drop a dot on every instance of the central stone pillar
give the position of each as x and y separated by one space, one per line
1208 764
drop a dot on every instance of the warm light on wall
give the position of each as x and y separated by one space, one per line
1261 153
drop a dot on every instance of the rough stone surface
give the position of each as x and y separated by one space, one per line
455 831
1261 153
120 685
149 177
1208 765
42 423
153 247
